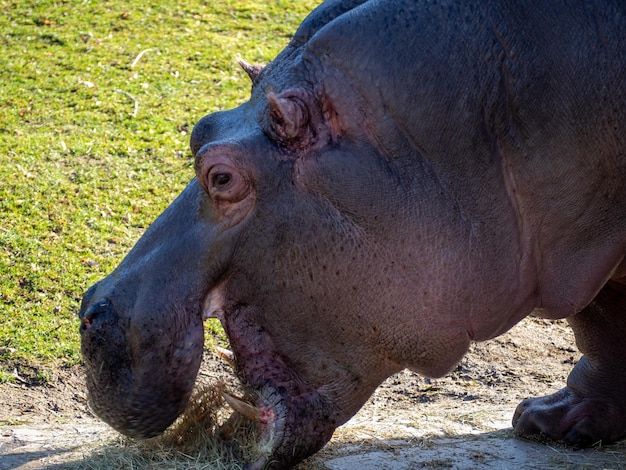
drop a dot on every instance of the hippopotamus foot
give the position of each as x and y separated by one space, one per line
592 408
576 418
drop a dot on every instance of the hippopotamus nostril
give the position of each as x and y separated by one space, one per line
86 322
89 315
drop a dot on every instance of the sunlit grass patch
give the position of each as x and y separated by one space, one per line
97 102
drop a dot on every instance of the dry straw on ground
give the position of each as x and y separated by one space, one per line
194 441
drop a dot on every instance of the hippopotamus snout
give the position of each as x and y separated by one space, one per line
122 368
142 351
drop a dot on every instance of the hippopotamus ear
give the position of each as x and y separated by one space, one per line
298 120
253 71
289 116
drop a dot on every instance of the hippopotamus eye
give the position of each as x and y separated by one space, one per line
221 180
225 183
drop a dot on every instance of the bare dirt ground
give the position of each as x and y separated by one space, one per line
461 421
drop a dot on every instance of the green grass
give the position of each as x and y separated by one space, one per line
94 139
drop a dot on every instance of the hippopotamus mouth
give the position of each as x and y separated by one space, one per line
277 398
292 418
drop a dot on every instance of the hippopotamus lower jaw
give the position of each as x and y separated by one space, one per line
292 423
294 419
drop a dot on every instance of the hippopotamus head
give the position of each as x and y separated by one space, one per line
283 236
358 215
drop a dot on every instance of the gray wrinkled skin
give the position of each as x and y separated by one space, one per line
406 177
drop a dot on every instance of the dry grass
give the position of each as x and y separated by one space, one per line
193 442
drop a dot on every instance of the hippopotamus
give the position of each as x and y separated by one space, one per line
406 178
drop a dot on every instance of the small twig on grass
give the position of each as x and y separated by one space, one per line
136 107
139 56
18 378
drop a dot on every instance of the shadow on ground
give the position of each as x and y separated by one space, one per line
493 450
34 448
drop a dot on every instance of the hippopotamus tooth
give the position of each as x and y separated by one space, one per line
251 412
407 177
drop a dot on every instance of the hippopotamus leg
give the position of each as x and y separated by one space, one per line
592 408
